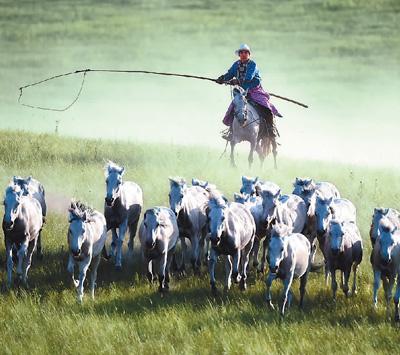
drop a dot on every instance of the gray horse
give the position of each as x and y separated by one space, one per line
158 234
87 234
344 251
246 127
34 188
379 213
308 189
232 231
286 209
254 204
289 257
22 223
386 264
189 205
123 204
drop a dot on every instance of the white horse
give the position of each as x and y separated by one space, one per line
35 189
386 264
232 231
123 204
22 223
344 251
246 127
289 258
158 234
87 234
189 205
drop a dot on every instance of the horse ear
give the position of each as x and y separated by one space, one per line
15 180
236 196
122 171
278 193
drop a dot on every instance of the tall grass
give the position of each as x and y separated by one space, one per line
128 316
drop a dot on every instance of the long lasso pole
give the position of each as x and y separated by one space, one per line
85 71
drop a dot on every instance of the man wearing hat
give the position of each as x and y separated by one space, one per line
244 72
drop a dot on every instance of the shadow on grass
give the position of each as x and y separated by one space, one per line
136 296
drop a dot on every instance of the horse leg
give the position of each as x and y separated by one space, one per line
170 255
70 269
28 260
264 254
93 274
275 152
354 288
268 282
9 262
195 253
122 230
83 268
251 153
211 270
39 253
377 281
133 229
345 287
244 261
287 283
236 260
233 164
303 283
228 272
389 294
396 300
333 283
182 268
254 251
21 258
161 272
113 241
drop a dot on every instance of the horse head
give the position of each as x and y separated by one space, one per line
79 215
216 213
177 192
240 105
386 241
113 173
12 205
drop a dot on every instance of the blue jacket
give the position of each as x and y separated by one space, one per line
252 78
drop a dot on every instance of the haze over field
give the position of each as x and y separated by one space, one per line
340 57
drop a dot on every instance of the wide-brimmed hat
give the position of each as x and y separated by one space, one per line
243 47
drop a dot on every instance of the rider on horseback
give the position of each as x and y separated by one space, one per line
244 72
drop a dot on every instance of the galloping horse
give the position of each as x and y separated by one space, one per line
246 126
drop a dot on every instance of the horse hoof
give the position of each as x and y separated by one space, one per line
39 256
118 268
214 290
270 305
243 285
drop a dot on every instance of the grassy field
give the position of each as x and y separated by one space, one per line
128 315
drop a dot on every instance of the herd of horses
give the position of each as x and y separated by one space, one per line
286 226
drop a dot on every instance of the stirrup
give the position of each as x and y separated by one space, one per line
227 134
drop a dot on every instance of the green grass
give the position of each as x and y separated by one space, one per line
128 315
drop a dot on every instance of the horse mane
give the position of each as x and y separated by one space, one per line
156 212
177 180
112 167
217 200
80 210
280 230
386 225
